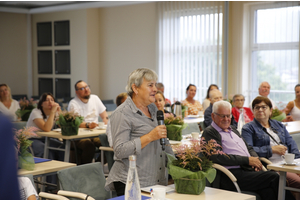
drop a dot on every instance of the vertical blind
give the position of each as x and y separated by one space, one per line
190 47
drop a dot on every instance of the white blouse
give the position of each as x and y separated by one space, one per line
11 111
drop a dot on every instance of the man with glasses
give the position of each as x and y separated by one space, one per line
240 158
214 96
238 101
90 107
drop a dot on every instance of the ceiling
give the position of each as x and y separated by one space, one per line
31 7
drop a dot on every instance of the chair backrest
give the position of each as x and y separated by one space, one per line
19 96
88 179
18 125
202 125
108 154
192 127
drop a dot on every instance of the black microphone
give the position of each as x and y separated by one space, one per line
160 121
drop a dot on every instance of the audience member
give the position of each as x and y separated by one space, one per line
193 105
160 102
119 100
206 101
238 101
214 96
135 132
8 106
90 107
264 90
293 107
43 118
27 191
9 188
269 138
241 160
161 87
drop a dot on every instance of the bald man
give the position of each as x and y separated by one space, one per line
264 90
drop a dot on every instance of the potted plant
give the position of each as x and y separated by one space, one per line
26 106
25 159
192 166
278 115
174 126
69 122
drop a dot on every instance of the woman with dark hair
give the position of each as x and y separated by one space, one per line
206 101
293 107
8 106
193 105
269 138
42 117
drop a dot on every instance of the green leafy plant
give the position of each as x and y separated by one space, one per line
69 118
174 126
278 115
26 106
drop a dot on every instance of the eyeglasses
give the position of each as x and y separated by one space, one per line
223 116
257 108
83 88
239 100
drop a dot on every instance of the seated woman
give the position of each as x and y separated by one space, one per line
193 105
135 131
269 138
206 101
8 106
160 102
238 103
42 117
293 107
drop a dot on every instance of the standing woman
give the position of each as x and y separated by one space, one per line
193 105
8 106
42 117
206 101
135 131
293 107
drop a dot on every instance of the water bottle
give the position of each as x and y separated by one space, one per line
132 189
241 121
168 107
177 109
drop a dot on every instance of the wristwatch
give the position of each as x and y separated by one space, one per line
87 125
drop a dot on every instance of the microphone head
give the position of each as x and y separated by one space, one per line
160 115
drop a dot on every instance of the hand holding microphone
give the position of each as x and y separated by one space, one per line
160 121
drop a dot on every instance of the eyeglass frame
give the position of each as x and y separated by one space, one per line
223 116
83 88
264 107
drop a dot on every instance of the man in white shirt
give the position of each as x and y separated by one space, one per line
264 90
90 107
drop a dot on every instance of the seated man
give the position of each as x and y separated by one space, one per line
214 96
241 159
264 90
90 107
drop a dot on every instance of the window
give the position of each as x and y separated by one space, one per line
190 47
274 46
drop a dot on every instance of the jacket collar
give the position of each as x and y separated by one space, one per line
271 122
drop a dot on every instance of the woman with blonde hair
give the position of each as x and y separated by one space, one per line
8 106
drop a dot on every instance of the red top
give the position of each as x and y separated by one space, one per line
248 115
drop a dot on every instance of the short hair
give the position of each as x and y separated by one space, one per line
160 92
136 77
210 92
263 83
219 104
188 87
211 85
120 97
42 100
260 99
237 95
160 85
77 83
8 88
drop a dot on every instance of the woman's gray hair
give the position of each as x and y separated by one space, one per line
237 95
219 104
136 77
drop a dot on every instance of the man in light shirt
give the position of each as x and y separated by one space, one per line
241 159
264 90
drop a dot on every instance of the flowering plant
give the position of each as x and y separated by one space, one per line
69 122
26 106
278 115
25 159
192 166
174 126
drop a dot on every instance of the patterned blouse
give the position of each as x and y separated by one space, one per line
193 109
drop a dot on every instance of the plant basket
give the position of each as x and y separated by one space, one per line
189 186
174 132
69 130
25 160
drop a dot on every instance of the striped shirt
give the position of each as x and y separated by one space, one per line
128 124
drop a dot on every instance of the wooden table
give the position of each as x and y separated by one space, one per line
293 127
82 133
283 169
209 194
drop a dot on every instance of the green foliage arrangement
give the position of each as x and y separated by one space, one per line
174 126
69 122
